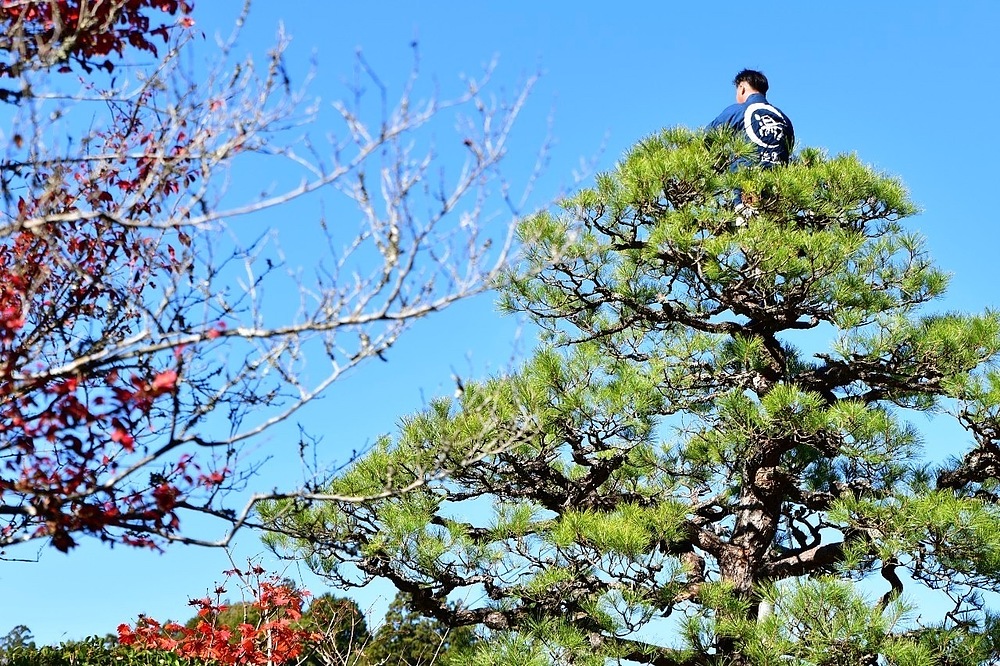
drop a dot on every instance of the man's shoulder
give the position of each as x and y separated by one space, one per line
731 116
757 100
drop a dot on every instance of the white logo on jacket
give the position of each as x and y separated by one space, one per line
764 124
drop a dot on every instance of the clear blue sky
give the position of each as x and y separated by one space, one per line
912 87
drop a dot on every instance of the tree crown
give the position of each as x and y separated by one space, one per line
713 441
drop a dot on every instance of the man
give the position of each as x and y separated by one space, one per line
764 125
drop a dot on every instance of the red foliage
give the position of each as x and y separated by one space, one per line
76 272
65 288
273 639
50 32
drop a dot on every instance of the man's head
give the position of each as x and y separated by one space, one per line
747 82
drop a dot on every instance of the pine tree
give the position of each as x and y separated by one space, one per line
714 456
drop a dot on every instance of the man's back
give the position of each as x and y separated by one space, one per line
763 124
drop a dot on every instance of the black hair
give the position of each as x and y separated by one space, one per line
752 78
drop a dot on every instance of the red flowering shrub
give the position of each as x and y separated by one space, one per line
269 635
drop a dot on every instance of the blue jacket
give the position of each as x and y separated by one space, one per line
764 125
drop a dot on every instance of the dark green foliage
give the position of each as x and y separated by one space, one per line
407 638
342 624
714 457
93 651
18 637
